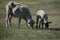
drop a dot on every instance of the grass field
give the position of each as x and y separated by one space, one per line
52 8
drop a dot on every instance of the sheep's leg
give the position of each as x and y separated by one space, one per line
6 22
47 24
28 25
6 18
37 22
19 22
9 20
42 23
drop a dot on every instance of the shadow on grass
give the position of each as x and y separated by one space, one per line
56 29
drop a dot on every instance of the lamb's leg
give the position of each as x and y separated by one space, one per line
42 22
47 23
42 25
8 21
19 22
37 22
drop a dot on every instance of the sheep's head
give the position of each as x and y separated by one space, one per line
13 4
47 24
31 23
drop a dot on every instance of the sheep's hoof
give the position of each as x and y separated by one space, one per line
42 27
18 27
46 28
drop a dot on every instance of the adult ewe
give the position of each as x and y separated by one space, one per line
21 11
42 18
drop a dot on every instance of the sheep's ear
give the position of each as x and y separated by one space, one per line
44 23
33 21
49 22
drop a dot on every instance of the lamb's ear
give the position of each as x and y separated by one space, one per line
49 22
44 23
33 21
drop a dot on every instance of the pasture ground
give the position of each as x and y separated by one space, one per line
52 8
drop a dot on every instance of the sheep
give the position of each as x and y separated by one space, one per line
9 8
21 12
42 18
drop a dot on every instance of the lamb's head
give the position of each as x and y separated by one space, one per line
47 24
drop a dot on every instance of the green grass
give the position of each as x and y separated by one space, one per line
52 8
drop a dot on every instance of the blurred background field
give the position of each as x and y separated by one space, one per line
52 8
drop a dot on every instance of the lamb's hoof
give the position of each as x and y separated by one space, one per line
46 28
18 27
